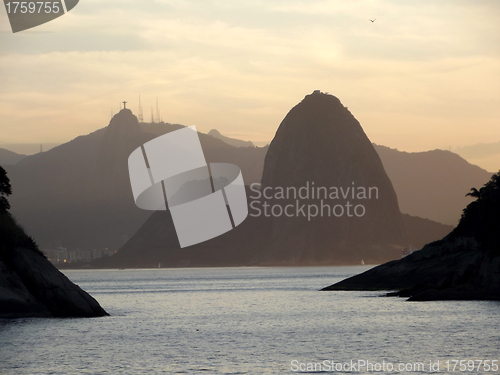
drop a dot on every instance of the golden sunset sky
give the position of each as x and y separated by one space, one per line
424 75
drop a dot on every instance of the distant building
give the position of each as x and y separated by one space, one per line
57 255
61 255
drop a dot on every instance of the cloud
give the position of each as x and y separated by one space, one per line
422 68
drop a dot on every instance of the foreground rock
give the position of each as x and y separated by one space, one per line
465 265
30 286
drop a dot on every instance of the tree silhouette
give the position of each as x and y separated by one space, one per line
481 218
12 236
490 189
5 190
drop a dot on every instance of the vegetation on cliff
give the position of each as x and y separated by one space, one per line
481 218
31 286
11 234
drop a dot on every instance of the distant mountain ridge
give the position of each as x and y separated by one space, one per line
28 148
431 184
485 154
77 195
230 141
8 157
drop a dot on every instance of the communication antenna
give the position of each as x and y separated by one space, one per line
139 112
157 113
152 116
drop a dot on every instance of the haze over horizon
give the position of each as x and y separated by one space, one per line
422 76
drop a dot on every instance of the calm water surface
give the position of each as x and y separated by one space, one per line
244 321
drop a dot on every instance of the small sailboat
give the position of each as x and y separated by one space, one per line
159 265
362 261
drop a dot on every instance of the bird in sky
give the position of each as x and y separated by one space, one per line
373 20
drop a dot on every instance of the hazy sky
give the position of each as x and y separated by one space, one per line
424 75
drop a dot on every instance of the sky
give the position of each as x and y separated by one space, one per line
424 75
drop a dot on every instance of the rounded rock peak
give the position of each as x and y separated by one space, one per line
124 119
214 131
322 97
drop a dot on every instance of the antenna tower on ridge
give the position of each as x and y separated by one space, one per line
139 112
157 112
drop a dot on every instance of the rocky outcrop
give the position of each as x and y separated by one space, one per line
465 265
319 143
15 300
30 286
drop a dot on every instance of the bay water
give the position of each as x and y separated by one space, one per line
250 321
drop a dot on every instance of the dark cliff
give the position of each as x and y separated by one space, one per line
29 284
463 265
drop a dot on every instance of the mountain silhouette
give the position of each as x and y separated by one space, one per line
318 141
8 157
78 194
69 196
485 154
431 184
231 141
